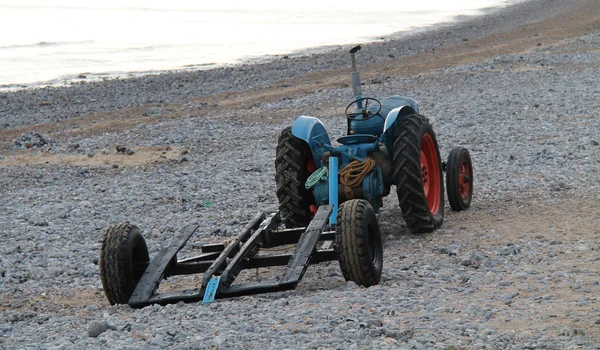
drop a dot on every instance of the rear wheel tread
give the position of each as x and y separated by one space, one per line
291 173
406 157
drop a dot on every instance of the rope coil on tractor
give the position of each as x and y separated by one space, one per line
351 176
320 175
354 173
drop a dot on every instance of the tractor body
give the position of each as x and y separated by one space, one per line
373 138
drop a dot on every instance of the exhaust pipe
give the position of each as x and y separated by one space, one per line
356 89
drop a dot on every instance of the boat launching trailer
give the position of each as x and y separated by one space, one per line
220 263
329 196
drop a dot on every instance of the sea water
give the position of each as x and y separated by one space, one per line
45 42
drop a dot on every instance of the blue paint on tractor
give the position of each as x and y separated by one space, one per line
377 135
312 131
370 132
333 189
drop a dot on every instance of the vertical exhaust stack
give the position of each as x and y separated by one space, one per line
356 89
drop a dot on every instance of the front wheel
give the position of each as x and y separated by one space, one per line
123 260
358 243
459 179
418 174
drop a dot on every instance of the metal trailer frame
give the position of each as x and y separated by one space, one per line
221 264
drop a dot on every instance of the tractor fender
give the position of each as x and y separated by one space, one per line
312 131
403 107
394 116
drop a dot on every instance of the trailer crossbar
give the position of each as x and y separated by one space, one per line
155 271
222 263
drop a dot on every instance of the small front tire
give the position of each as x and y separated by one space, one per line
358 243
459 179
123 260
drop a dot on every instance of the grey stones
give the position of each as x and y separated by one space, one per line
508 299
124 150
451 250
95 328
374 323
571 332
15 317
350 285
510 250
472 260
30 140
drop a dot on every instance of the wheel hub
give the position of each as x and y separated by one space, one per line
424 174
464 180
430 174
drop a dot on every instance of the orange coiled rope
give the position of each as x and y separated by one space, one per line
354 173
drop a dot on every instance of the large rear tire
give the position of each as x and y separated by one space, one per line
293 165
459 179
358 243
418 174
123 260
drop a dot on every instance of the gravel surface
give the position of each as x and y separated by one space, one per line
518 270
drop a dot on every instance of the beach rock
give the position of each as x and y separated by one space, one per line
30 140
95 328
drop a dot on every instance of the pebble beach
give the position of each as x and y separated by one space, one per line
520 269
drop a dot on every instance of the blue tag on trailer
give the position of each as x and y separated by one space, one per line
211 290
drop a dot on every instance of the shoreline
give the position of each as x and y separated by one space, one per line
173 86
74 80
503 31
94 77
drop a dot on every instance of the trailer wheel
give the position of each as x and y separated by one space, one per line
418 174
459 179
293 165
123 259
358 243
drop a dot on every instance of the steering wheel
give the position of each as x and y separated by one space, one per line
360 109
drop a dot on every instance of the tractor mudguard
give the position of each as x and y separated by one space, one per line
395 106
313 132
398 107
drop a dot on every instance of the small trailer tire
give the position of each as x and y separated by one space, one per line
123 258
358 243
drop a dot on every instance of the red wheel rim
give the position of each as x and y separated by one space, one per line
430 174
311 167
464 179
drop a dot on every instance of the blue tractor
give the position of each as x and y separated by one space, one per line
329 196
387 143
